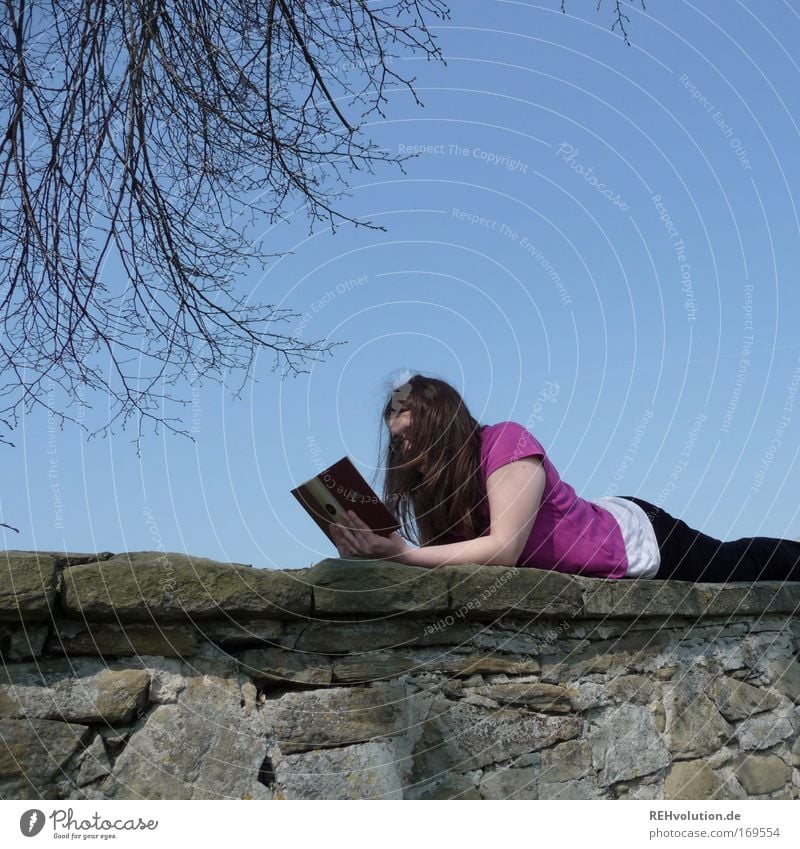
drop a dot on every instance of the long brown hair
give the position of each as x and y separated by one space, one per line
446 499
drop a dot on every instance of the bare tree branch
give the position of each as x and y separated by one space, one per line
620 18
150 136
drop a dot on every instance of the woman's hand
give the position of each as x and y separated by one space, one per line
359 540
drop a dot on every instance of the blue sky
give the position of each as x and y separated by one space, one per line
598 241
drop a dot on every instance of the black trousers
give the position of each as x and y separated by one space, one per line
689 555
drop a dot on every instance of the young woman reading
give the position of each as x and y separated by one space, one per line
489 494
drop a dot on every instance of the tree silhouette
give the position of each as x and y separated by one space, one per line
621 20
155 133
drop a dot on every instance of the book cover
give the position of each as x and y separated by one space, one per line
341 487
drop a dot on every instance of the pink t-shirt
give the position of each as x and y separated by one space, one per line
570 534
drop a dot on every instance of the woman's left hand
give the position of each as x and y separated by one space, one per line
359 540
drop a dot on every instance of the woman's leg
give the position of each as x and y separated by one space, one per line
689 555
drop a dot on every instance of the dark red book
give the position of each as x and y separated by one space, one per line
341 487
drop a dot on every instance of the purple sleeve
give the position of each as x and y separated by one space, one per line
507 442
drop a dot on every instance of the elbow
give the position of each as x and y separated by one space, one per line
507 555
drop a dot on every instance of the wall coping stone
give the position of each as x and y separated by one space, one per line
165 586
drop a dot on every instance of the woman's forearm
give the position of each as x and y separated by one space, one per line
483 550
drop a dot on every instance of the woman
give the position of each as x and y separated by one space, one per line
489 494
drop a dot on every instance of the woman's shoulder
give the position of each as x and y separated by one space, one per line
511 434
505 427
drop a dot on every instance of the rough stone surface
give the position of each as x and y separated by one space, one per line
584 788
456 786
95 763
631 688
739 700
153 675
473 737
759 774
237 633
636 651
110 640
566 762
347 587
544 697
321 718
485 592
279 665
509 783
697 727
33 753
393 633
785 674
795 753
652 598
367 771
376 666
625 744
166 586
82 691
29 582
763 731
204 746
24 642
691 780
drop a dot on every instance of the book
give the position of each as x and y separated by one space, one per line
339 488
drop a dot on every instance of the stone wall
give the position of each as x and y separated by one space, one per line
154 675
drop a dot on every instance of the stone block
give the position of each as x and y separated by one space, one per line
165 586
795 753
33 753
486 592
78 691
365 588
764 731
23 642
509 783
633 652
697 727
466 737
285 666
316 719
626 744
583 788
738 700
691 780
760 774
355 636
204 746
453 662
366 771
375 666
746 599
785 677
106 639
547 698
631 688
630 599
566 762
244 633
455 786
29 582
95 763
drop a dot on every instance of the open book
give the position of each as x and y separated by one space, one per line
341 487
